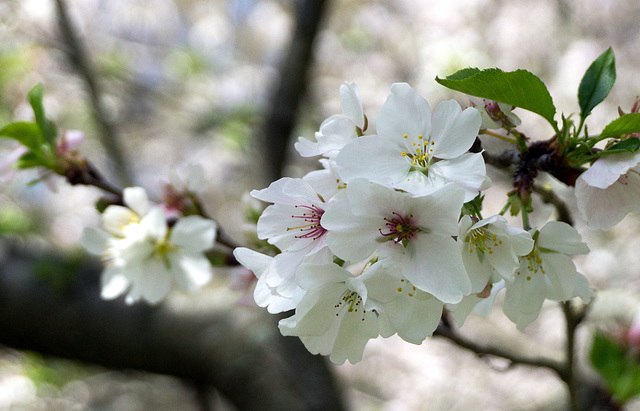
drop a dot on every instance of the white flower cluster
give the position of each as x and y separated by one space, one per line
374 244
145 256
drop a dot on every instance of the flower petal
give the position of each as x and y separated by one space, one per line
453 130
193 233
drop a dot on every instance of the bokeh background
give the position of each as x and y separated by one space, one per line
193 81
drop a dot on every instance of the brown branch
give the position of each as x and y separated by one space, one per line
548 196
248 362
80 61
484 350
287 95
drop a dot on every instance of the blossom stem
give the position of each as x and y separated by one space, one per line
525 219
498 136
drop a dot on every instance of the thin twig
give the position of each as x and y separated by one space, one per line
79 58
482 350
548 196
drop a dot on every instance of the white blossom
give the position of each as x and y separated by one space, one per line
547 272
332 317
416 151
490 248
144 256
338 130
609 190
271 290
411 235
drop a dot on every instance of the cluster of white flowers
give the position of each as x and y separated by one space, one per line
145 256
374 244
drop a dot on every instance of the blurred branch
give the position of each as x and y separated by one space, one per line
251 364
450 334
80 61
548 196
283 105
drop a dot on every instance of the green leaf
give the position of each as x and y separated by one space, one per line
27 134
620 370
625 124
518 88
597 82
631 145
46 126
29 160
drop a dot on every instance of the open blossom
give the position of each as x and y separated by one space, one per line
332 318
411 235
547 272
271 290
416 151
338 130
490 249
609 190
292 223
145 257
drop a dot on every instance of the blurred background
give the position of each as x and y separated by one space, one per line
224 84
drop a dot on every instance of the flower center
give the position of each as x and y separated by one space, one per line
310 219
351 301
483 241
399 229
406 287
419 154
535 263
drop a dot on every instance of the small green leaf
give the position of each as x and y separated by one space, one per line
597 82
27 134
29 160
631 145
518 88
626 124
46 126
619 369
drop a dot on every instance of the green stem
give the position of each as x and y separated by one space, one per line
499 136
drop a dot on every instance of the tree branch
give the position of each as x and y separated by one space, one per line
482 350
80 61
249 363
284 103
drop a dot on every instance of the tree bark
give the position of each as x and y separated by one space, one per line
246 361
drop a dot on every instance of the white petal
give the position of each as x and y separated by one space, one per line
193 233
524 297
306 147
94 241
154 281
352 104
253 260
432 263
154 224
191 271
374 158
115 219
454 130
356 329
136 199
607 169
561 275
113 282
468 171
404 112
561 237
582 289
